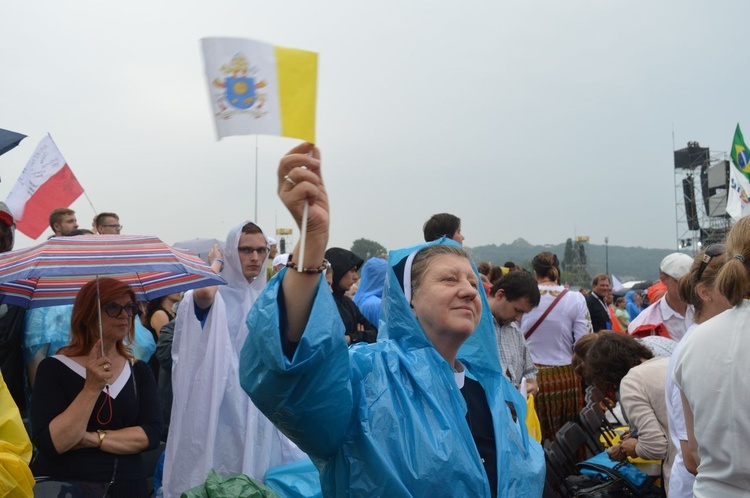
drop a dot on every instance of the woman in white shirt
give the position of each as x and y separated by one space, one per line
551 329
711 372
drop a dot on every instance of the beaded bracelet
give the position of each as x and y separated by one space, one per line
310 271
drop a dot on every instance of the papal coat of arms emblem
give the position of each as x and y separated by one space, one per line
240 89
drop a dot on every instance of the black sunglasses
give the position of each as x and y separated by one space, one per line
113 310
711 252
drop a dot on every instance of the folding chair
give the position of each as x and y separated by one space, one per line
558 467
595 397
563 476
575 443
595 423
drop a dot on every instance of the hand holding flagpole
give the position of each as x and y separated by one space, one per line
302 190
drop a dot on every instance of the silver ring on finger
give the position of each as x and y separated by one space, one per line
288 179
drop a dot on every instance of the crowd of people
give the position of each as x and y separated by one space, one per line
403 375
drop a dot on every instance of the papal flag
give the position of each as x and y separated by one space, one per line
46 183
257 88
739 153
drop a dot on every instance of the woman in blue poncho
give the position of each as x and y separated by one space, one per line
370 291
425 411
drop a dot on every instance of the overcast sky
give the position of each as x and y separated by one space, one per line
533 119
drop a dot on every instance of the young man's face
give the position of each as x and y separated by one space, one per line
506 311
252 251
67 224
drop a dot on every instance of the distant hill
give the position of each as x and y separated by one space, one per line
626 263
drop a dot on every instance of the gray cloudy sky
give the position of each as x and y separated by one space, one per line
533 119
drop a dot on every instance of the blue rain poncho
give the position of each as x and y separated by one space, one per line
386 419
370 291
50 326
631 306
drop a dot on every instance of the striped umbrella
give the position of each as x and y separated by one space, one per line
52 273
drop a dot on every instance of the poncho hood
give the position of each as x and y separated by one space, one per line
341 262
402 326
372 281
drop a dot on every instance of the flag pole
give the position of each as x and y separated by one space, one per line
302 237
303 232
90 203
256 178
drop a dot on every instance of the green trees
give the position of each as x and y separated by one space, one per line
367 249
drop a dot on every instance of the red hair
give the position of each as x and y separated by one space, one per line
84 324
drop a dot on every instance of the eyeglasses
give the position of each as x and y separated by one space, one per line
249 250
711 252
116 227
113 310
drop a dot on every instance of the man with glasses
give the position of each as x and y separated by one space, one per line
214 424
107 224
669 316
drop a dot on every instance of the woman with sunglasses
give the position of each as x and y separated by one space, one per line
92 413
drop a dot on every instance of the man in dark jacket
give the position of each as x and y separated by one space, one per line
595 301
344 265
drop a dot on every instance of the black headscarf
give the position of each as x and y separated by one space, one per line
341 262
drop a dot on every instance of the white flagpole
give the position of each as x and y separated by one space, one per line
302 237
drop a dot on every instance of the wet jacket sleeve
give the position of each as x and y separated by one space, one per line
369 333
307 397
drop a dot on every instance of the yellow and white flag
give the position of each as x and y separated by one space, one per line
257 88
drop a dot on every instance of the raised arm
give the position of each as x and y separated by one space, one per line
299 180
204 297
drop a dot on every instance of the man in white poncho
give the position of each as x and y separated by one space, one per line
214 424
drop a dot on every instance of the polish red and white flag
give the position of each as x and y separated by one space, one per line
45 184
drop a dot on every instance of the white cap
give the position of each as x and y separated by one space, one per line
281 259
271 241
676 265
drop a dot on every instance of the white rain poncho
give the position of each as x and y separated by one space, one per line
214 424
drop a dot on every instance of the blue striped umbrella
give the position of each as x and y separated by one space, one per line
53 272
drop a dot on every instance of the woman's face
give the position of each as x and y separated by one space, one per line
458 237
117 316
447 302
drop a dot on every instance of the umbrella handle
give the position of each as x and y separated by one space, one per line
99 311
